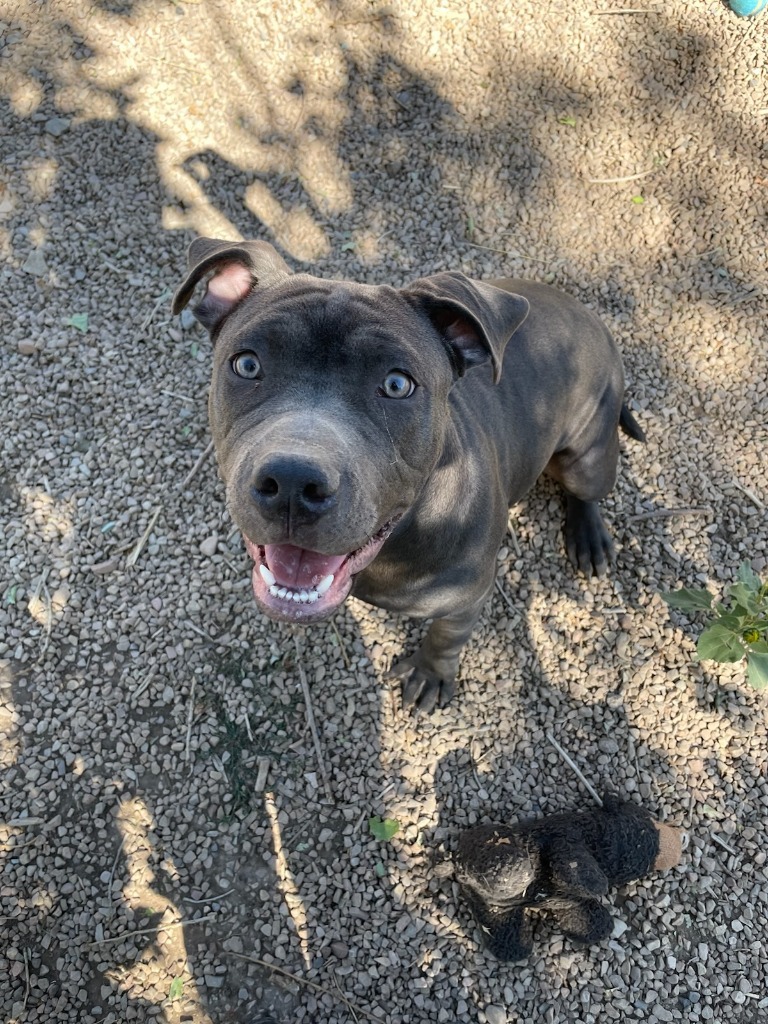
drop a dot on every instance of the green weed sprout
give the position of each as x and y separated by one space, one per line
739 629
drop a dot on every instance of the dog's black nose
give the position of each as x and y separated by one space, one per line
296 488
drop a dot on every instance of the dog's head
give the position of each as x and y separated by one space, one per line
329 407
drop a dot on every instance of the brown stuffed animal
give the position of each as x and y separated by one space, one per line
561 864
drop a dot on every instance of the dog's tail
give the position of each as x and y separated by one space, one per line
629 424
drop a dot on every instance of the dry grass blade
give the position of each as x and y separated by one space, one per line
750 494
624 178
630 10
26 978
506 252
308 984
139 547
342 648
508 600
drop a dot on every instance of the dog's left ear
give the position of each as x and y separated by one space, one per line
476 320
236 268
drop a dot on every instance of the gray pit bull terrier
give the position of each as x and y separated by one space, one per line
372 439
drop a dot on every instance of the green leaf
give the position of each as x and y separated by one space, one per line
348 246
688 600
719 643
567 119
749 577
10 594
79 321
744 597
737 621
637 200
379 869
383 830
757 669
177 987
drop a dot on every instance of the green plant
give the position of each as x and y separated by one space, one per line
739 629
383 829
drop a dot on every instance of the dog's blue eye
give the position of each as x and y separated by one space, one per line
397 385
247 365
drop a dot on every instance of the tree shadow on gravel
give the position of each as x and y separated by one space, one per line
399 190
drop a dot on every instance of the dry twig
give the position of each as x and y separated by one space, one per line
139 547
160 926
190 715
195 469
669 513
587 785
305 981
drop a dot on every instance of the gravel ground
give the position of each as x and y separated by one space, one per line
169 830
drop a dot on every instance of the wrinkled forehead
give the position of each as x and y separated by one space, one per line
304 307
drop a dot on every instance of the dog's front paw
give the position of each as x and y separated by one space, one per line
423 689
587 540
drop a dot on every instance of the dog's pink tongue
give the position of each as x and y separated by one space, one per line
299 568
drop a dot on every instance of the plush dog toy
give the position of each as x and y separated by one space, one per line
561 864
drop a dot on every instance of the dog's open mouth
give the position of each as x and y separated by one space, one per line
298 585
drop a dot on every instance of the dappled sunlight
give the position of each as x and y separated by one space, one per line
41 178
185 819
165 938
10 734
49 522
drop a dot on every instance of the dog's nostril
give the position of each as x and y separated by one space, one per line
314 493
268 487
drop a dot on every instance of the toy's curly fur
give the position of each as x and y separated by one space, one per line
561 864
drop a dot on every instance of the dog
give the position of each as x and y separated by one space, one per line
372 439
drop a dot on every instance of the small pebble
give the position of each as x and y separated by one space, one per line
209 546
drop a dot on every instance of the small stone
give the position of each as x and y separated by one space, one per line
660 1013
340 950
56 126
619 927
214 980
495 1014
27 348
187 319
209 545
607 745
35 263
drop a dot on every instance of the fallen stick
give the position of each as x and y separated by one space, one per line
569 762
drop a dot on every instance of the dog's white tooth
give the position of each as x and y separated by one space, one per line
274 591
304 595
282 592
323 585
267 576
296 595
312 596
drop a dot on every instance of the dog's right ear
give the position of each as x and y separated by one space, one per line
236 268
